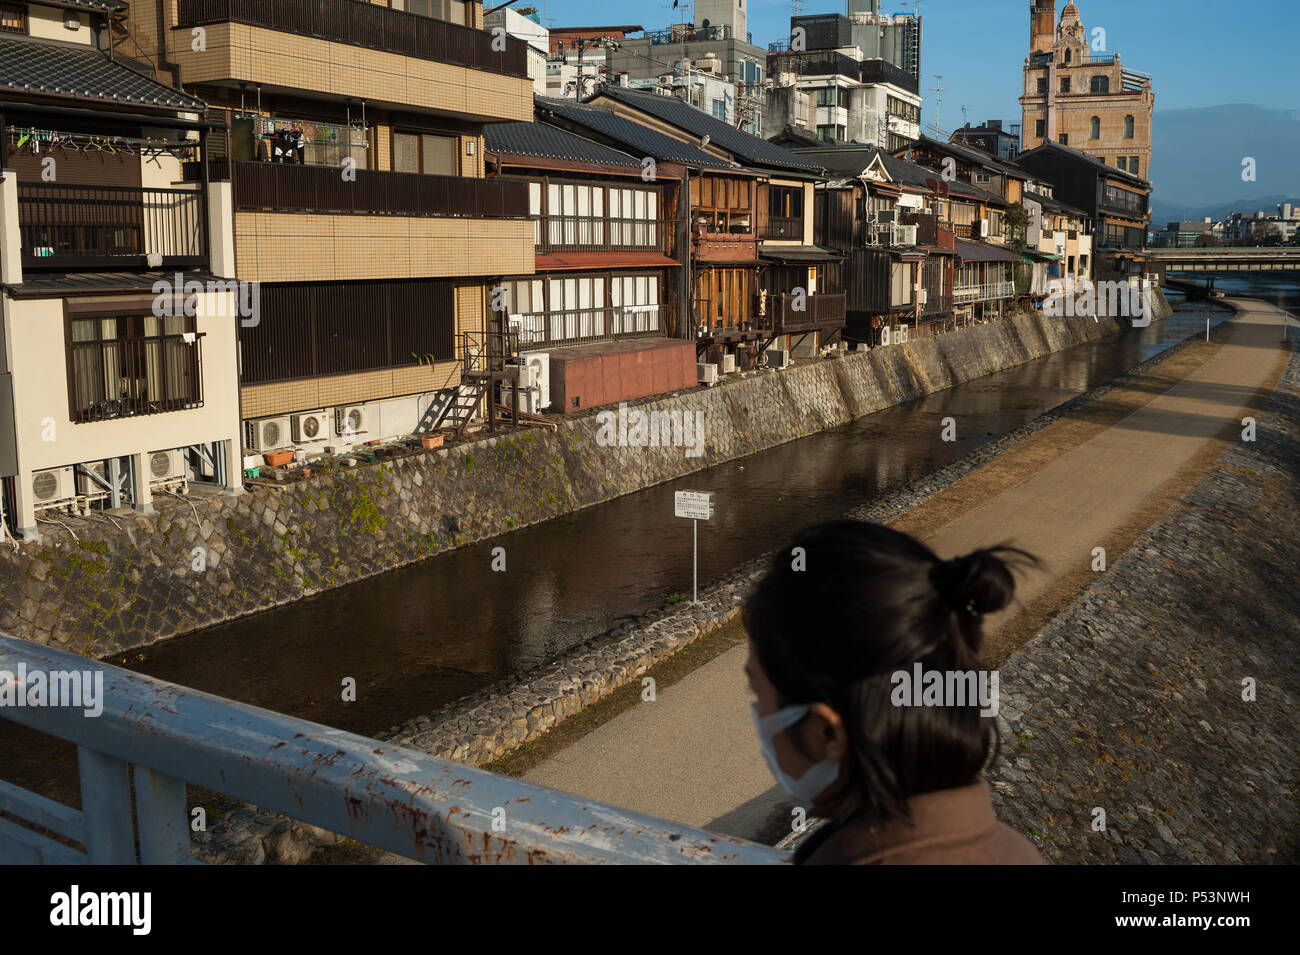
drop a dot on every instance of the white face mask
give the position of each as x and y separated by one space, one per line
817 779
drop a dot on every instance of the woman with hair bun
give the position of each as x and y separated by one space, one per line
840 616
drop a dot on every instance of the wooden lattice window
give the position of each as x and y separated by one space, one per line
13 18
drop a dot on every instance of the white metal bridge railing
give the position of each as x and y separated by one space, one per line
397 799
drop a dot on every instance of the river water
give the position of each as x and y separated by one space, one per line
421 636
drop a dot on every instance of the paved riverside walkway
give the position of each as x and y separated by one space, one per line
692 755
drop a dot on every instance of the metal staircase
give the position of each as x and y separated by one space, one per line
487 358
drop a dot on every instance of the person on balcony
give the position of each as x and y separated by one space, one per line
841 629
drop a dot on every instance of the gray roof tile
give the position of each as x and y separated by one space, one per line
637 139
84 74
551 142
751 149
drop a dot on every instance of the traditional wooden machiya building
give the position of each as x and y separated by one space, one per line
594 323
360 203
118 351
1116 203
760 281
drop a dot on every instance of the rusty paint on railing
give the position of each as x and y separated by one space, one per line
398 799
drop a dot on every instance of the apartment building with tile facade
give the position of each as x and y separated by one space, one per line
118 351
360 203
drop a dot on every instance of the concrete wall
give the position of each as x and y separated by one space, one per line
115 588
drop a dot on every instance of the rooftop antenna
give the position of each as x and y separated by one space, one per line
938 90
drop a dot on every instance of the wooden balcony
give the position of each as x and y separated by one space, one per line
118 227
284 187
821 311
351 48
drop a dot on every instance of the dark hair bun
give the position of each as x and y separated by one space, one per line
979 583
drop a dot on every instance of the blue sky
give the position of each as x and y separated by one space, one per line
1200 53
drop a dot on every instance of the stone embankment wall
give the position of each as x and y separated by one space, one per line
127 581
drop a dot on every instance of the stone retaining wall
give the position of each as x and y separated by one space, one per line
104 585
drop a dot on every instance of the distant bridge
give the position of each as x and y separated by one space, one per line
1280 259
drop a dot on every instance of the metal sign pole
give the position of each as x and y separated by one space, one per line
695 506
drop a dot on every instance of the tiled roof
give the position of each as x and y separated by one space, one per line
983 252
637 139
751 149
102 6
551 142
1080 155
84 74
974 154
45 285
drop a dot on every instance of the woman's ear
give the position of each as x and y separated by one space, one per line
824 734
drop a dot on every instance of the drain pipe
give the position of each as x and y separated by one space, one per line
163 61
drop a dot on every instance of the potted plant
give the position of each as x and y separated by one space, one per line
430 440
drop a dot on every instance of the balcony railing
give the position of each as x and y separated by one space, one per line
983 293
282 187
358 23
821 310
590 325
783 228
936 303
602 234
127 377
74 227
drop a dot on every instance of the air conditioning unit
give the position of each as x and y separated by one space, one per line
904 235
310 426
266 434
350 421
52 487
729 364
888 217
707 373
983 230
166 467
777 358
535 376
87 486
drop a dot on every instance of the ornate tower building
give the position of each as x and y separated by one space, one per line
1078 94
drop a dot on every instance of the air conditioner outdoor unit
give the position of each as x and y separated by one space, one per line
267 434
166 467
52 487
87 486
888 217
707 373
535 375
729 364
310 426
350 421
904 235
777 358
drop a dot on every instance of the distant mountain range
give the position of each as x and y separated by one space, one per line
1197 161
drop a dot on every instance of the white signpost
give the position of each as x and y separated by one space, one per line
695 506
